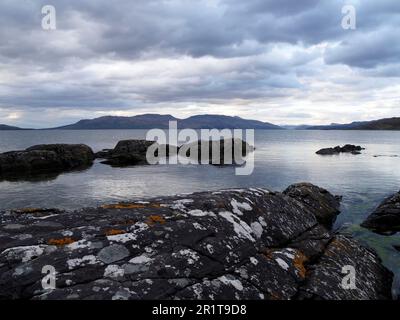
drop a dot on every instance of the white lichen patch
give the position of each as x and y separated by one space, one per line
85 260
81 244
241 228
231 281
180 204
237 206
198 226
200 213
189 254
282 264
25 253
113 271
257 229
140 259
122 238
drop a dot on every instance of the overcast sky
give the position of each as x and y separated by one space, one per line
286 61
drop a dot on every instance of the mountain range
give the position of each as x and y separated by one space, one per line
149 121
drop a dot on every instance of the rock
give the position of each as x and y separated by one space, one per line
45 158
228 244
113 253
324 205
348 148
235 149
386 218
127 153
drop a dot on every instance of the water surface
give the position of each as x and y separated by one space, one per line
282 157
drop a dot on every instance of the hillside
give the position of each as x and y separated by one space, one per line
5 127
382 124
148 121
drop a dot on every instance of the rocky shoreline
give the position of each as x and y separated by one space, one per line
227 244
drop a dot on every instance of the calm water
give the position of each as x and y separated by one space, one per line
281 158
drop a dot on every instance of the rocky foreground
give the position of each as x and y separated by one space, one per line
230 244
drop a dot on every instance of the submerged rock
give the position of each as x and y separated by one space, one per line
348 148
386 218
45 158
228 244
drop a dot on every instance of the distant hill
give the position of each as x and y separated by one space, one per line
149 121
382 124
5 127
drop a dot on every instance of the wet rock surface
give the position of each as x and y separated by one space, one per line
227 244
44 159
348 148
386 218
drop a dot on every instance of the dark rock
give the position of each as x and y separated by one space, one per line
386 218
348 148
45 158
127 153
229 244
324 205
216 150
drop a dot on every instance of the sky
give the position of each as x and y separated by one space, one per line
285 62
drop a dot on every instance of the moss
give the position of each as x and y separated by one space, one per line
60 242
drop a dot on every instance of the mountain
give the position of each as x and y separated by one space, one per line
5 127
382 124
149 121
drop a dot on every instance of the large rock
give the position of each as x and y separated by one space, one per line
386 218
228 244
45 158
323 204
217 152
348 148
130 152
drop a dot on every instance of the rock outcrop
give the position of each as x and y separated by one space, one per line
325 206
126 153
50 158
133 152
228 244
386 218
217 152
348 148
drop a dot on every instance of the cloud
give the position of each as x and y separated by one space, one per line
285 61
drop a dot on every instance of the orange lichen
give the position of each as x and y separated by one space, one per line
153 219
124 222
131 205
114 232
298 262
60 242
